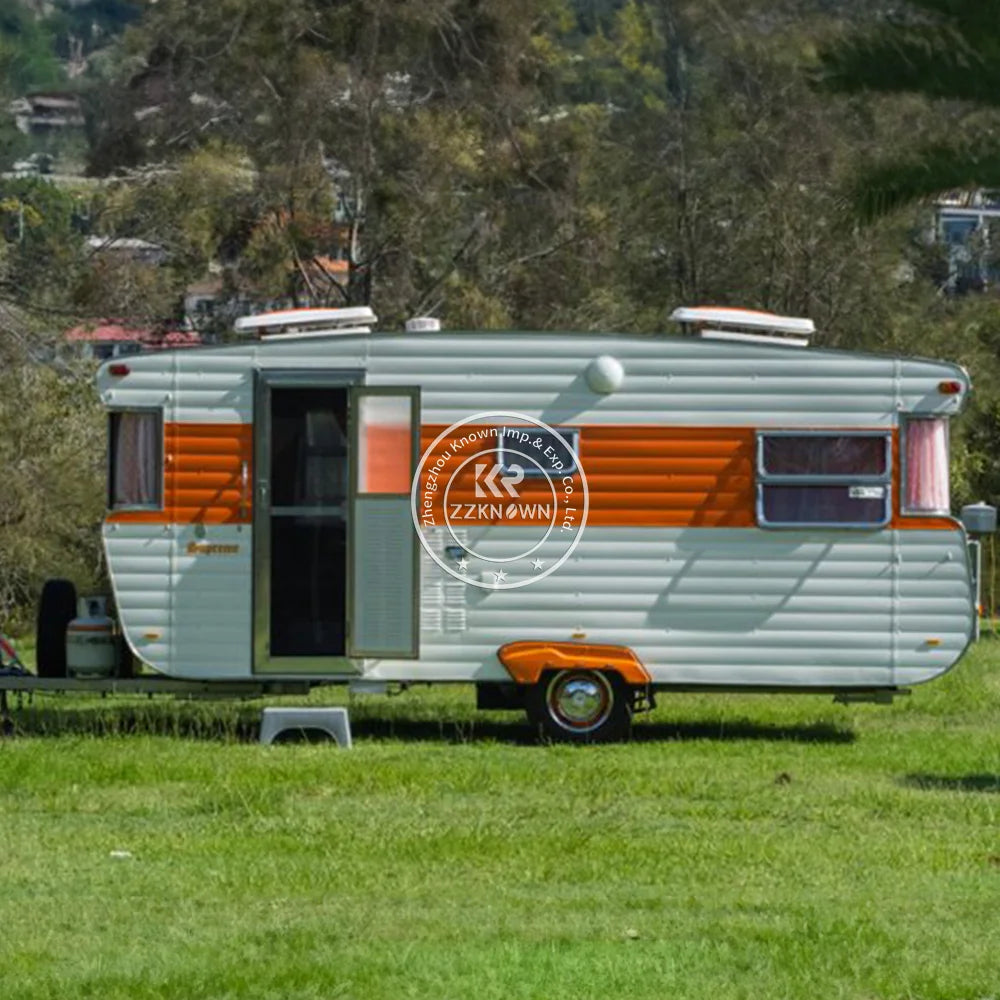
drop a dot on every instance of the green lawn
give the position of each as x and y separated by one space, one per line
739 847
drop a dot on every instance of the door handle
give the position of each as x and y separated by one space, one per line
244 484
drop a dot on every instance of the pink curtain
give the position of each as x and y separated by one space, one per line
136 450
926 466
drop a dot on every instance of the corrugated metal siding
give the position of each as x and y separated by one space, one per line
731 607
636 475
698 605
184 614
212 602
668 380
205 466
935 600
676 381
139 560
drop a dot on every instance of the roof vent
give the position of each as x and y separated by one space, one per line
308 322
423 324
722 323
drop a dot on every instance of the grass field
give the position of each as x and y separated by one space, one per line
740 847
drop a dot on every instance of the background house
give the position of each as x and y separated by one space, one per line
967 224
111 340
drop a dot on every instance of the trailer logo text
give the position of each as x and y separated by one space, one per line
499 499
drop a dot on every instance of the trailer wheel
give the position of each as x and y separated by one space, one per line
580 706
56 609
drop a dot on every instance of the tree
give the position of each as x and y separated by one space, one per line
40 242
435 128
26 50
720 172
80 27
944 50
52 454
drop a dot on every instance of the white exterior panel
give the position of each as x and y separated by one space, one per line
730 607
698 605
668 380
187 615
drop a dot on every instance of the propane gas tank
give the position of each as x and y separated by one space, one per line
91 648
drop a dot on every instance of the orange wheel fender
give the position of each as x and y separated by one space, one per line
527 660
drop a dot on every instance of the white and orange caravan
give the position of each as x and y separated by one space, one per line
570 521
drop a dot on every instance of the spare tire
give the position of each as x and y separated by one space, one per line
56 609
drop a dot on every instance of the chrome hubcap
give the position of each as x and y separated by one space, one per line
580 702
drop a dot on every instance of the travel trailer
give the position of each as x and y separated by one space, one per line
570 521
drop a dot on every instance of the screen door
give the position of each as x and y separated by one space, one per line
383 554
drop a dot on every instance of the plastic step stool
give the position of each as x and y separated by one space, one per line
333 721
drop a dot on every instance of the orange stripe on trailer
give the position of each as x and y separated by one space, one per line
637 476
526 660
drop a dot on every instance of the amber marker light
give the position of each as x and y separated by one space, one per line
119 369
950 387
933 642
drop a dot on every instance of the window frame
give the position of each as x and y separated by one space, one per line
907 420
883 479
571 434
112 506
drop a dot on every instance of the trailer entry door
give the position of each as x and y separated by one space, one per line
383 542
302 473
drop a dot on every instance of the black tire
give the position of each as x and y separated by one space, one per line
56 609
580 706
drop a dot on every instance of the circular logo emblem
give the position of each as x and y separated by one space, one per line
499 499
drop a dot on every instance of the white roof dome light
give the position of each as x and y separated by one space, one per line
423 324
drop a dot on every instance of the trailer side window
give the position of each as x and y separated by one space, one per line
823 479
925 464
543 453
136 459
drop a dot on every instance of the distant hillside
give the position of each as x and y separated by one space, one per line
44 43
79 27
27 51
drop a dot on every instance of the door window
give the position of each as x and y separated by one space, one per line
385 443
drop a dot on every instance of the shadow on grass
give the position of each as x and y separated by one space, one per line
241 724
743 729
957 783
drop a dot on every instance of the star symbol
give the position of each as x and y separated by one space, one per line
500 576
537 563
463 564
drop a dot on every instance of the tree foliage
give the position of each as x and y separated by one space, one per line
51 451
944 50
26 50
537 164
